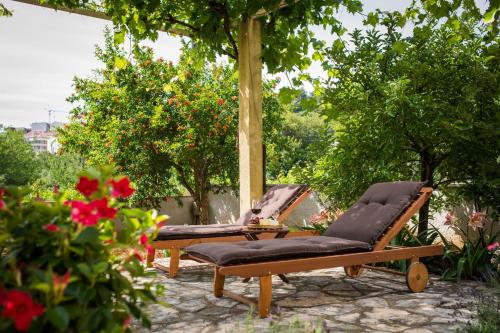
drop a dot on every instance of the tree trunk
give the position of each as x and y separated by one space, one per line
203 207
426 175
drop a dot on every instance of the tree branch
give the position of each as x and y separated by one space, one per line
173 20
221 9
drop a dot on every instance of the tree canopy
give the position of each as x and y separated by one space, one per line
213 25
168 126
18 161
423 107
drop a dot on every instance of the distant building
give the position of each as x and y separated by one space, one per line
39 140
42 137
41 127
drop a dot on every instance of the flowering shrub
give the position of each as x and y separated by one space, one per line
62 266
475 259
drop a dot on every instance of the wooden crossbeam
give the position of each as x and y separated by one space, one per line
339 260
95 14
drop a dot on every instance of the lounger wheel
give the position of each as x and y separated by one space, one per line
353 271
417 277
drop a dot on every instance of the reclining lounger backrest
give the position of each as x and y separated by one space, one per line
277 199
376 210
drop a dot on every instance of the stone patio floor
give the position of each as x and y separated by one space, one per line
374 302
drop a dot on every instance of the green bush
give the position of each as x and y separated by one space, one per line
74 266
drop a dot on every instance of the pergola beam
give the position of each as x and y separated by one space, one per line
96 14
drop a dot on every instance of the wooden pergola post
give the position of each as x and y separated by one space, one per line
250 113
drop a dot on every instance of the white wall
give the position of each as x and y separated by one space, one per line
224 208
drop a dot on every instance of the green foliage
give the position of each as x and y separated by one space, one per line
4 11
290 148
213 25
18 162
472 260
82 274
295 324
60 169
423 107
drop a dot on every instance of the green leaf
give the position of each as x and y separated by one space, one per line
121 62
460 267
59 317
88 235
372 19
399 47
489 16
85 270
44 287
119 37
100 267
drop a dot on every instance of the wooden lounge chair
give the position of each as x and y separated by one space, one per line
359 237
279 198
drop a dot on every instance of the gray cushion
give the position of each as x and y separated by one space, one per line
274 249
198 231
375 211
276 199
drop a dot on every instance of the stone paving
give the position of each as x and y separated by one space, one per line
374 302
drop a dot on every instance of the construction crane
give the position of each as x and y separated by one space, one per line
51 114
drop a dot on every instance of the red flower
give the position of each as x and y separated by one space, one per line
121 188
103 210
137 256
143 239
2 203
19 307
83 213
89 213
220 101
87 186
126 322
51 227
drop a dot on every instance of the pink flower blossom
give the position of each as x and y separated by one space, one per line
477 220
493 246
449 218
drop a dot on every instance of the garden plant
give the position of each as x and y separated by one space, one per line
75 265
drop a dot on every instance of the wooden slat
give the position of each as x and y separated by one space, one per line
284 214
239 298
383 269
307 264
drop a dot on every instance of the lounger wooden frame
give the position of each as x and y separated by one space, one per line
352 262
175 246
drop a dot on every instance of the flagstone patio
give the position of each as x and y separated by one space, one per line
375 302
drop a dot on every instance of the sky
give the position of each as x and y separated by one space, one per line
42 50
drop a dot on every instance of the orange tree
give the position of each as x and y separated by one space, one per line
167 126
